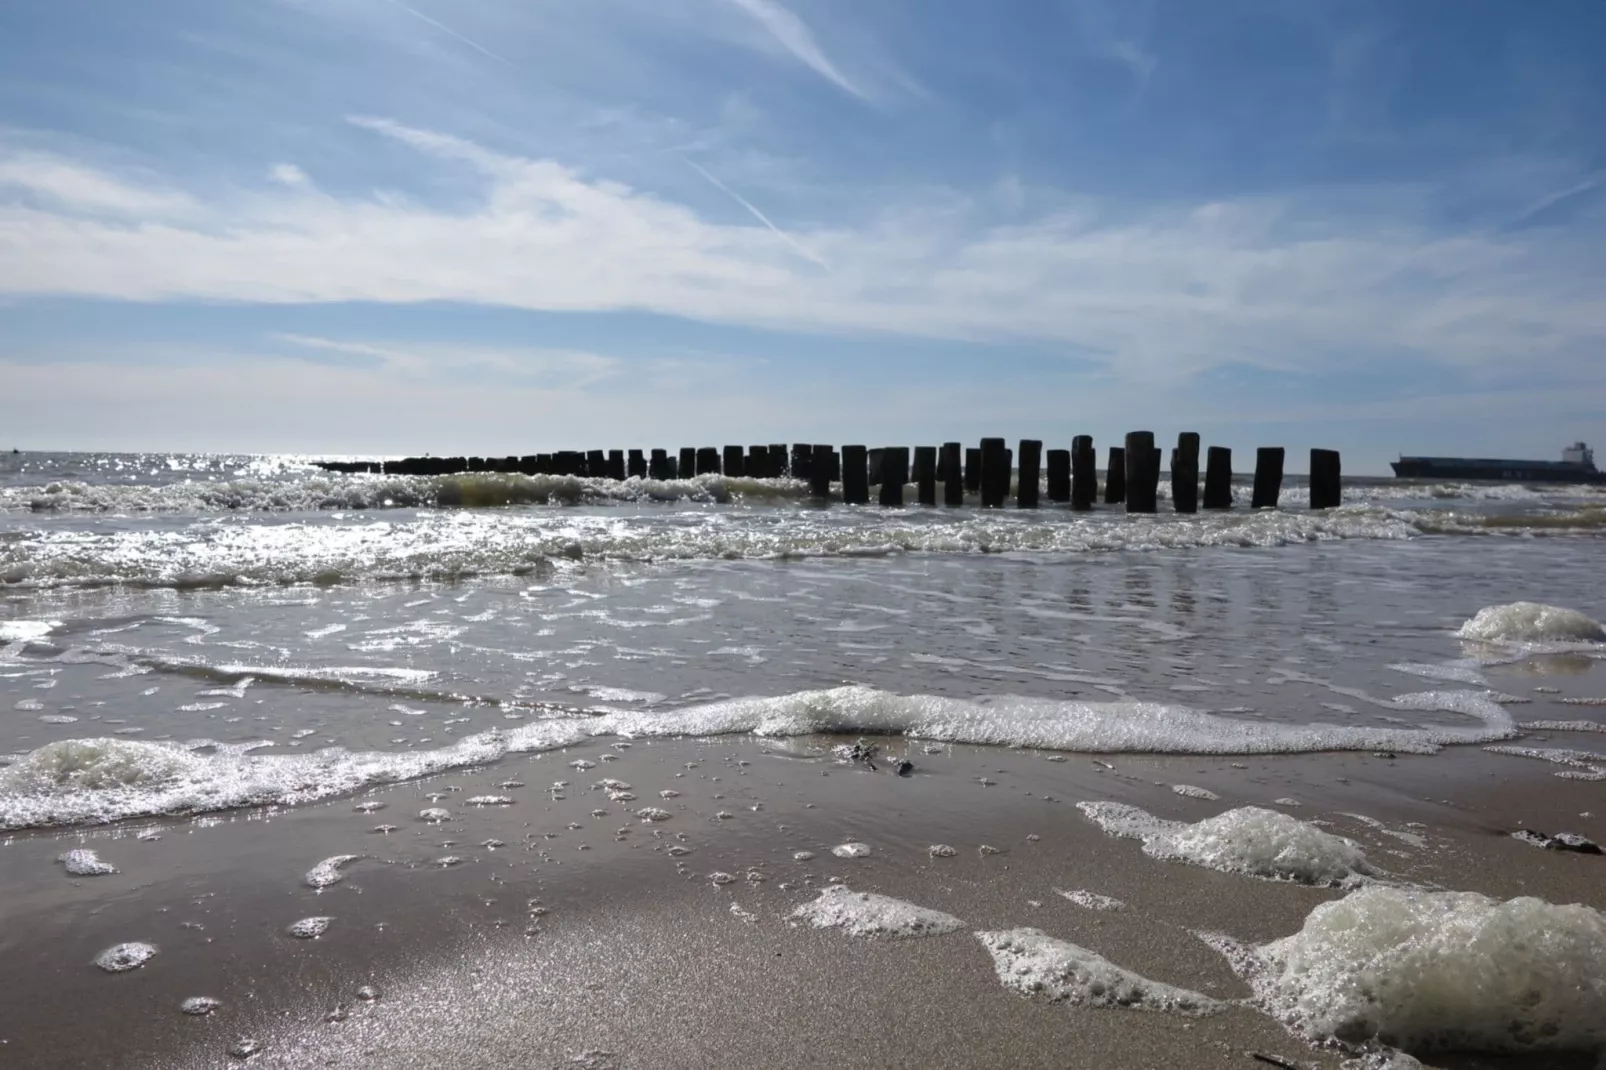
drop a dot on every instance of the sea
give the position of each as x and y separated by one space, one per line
262 630
185 636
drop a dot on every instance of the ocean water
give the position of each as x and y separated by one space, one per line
225 631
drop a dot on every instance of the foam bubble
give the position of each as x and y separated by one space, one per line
328 872
865 914
1532 622
1034 963
1250 839
82 862
309 928
1429 971
124 957
851 850
199 1006
941 850
1092 900
1195 793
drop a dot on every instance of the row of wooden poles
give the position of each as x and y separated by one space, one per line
1132 474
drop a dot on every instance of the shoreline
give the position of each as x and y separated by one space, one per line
685 981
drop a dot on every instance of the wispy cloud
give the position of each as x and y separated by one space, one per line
1149 292
794 35
565 369
760 216
443 28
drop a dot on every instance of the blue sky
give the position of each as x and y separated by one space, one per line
508 225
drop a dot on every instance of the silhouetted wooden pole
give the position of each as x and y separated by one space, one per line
1268 477
819 468
1218 478
994 473
1185 473
616 465
925 474
733 461
874 461
973 469
1031 473
1325 479
708 460
658 465
894 474
1142 473
1084 473
758 462
802 461
953 474
1115 476
596 464
1059 475
777 460
855 475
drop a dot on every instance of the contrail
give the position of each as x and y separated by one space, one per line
760 216
475 45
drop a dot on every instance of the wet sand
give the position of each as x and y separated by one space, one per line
604 945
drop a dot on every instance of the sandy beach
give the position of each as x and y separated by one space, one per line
574 933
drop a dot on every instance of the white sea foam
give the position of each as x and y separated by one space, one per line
1532 622
108 779
1034 963
124 957
1092 900
866 914
83 862
309 928
26 631
328 871
1258 842
1195 793
851 850
1427 971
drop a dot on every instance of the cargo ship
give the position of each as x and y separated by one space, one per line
1577 465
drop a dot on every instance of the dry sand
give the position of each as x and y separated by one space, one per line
598 946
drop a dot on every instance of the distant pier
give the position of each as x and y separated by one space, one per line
848 473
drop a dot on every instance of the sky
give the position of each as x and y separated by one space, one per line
508 226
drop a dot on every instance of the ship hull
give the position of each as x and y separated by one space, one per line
1497 470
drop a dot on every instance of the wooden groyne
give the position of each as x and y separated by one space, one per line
991 470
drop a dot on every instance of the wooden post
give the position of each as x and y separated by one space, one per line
636 465
733 461
1218 478
758 462
833 456
707 460
687 467
994 473
596 464
1325 480
777 460
855 475
543 464
1268 477
875 461
925 474
894 474
1059 475
1031 471
1185 473
953 474
658 465
819 469
1142 474
973 469
1084 473
616 464
802 461
1115 477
